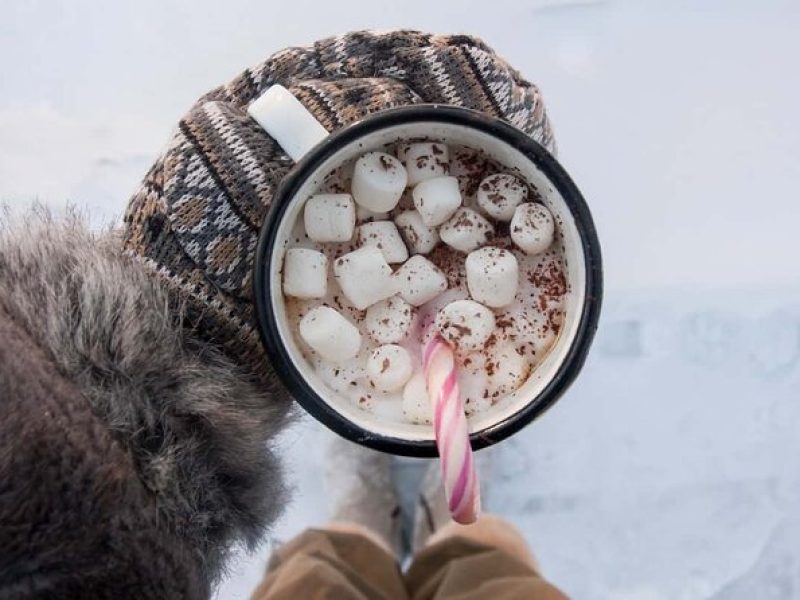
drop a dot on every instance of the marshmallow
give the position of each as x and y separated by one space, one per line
465 324
416 404
364 276
437 199
378 181
420 238
330 217
389 367
388 321
384 236
492 276
473 384
500 194
424 160
419 280
305 273
466 230
330 335
532 227
507 370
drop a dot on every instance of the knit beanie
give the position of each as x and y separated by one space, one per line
195 219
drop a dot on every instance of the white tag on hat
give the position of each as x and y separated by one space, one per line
285 118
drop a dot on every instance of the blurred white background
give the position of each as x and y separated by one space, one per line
672 468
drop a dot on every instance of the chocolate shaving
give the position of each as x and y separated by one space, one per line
461 329
385 163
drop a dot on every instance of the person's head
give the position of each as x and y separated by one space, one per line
196 217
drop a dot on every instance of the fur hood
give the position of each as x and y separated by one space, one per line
197 427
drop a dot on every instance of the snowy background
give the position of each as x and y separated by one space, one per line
672 468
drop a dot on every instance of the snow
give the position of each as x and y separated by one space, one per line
665 471
671 469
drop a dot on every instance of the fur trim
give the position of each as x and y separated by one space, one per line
197 426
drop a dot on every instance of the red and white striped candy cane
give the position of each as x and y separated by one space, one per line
452 432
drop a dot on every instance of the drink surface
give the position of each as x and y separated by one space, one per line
522 333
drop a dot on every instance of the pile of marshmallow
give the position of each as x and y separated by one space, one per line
366 276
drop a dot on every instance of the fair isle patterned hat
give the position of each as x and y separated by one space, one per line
195 219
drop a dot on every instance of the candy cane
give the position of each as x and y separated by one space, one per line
452 433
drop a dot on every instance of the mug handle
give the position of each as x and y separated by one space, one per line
286 120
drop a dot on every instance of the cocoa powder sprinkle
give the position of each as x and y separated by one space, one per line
385 163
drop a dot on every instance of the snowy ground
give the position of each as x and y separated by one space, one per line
672 468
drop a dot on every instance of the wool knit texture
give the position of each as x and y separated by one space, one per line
196 217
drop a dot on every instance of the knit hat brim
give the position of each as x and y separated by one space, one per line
195 220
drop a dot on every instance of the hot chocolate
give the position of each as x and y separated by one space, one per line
418 239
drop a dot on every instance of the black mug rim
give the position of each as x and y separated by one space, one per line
575 358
